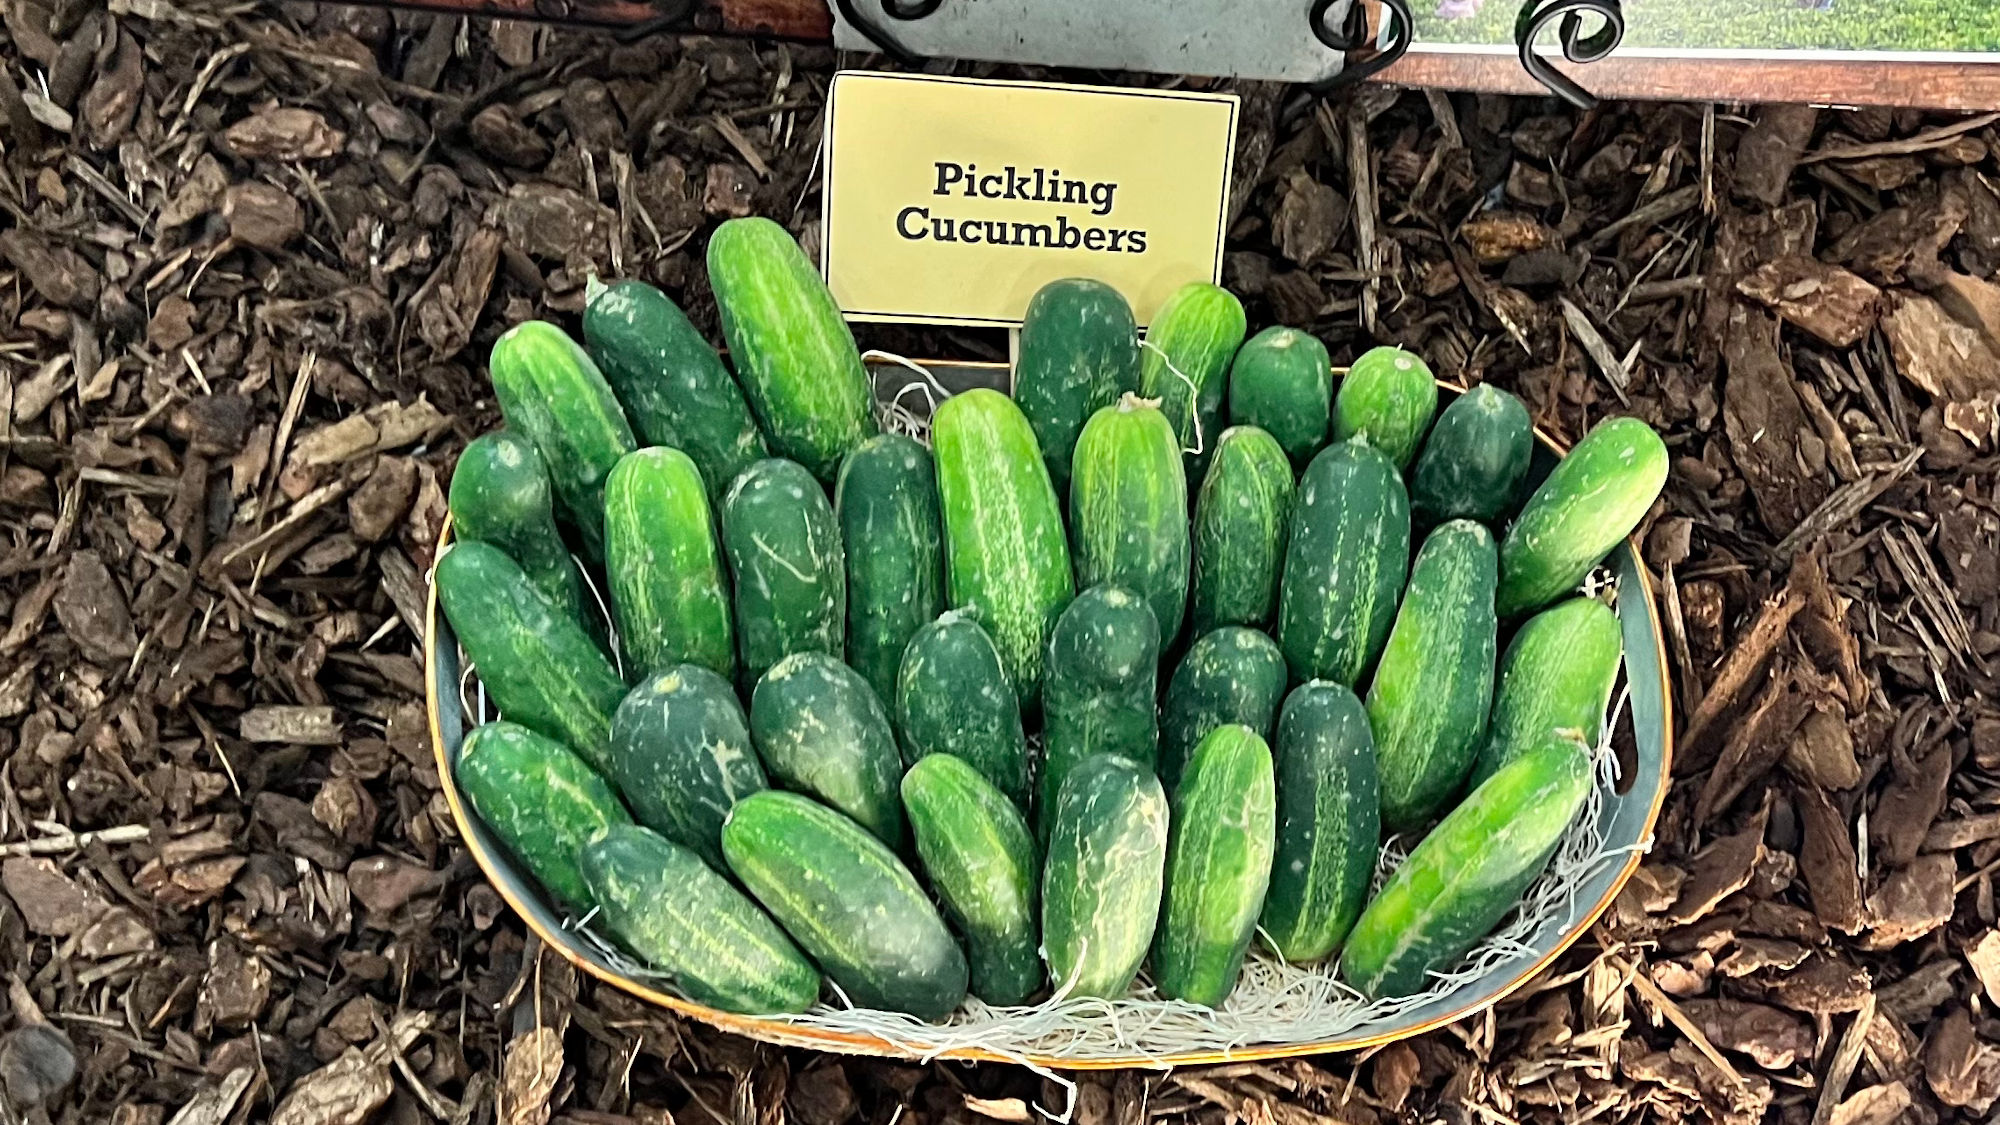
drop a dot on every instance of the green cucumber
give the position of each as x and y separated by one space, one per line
1433 689
541 800
794 354
1282 382
665 570
681 753
1006 557
538 665
500 495
887 502
1329 822
1103 662
1232 675
953 697
663 903
821 731
1345 561
1102 880
1079 351
1476 460
552 394
980 856
848 901
1388 398
1218 866
1241 519
1593 498
672 383
1468 872
1186 366
1557 675
785 564
1128 508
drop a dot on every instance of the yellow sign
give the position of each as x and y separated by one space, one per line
951 200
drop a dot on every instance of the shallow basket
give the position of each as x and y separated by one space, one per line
1625 823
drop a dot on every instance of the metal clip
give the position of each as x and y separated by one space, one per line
1577 47
1353 35
879 35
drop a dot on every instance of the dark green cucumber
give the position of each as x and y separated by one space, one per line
1557 675
1104 656
1102 880
1282 383
538 665
980 856
1241 519
821 731
663 903
681 753
1433 689
1468 872
1128 508
1079 351
1232 675
552 394
887 502
663 564
794 354
1006 557
500 495
1476 460
1186 364
672 383
848 901
1387 398
1329 822
785 564
541 800
1593 499
953 697
1345 561
1218 866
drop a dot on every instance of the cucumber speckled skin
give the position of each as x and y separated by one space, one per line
1557 676
821 731
500 494
980 856
887 502
1128 509
1468 872
662 902
1476 460
681 753
953 697
1329 823
1282 383
1218 866
1079 352
1232 675
1593 499
1242 517
1433 689
1104 656
1345 562
786 565
542 801
664 568
1388 398
848 901
1186 364
552 394
1102 880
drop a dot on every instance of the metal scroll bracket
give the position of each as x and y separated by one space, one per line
1398 24
880 35
1577 47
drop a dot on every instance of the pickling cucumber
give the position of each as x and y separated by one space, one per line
1232 675
500 495
1186 364
665 570
821 731
1387 399
1103 877
1128 508
886 499
552 394
1476 460
953 697
681 753
541 799
787 569
1079 351
980 856
1242 517
1103 663
1329 821
1218 866
1345 562
1557 675
1282 383
1595 497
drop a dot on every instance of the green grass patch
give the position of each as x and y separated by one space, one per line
1850 25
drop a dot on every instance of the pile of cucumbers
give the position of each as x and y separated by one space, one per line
1113 674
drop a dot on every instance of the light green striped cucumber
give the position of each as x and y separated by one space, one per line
500 495
1282 382
821 731
1593 499
1079 351
1329 822
848 901
1128 508
1218 866
663 564
662 902
1557 675
541 800
1232 675
1102 880
1388 397
1345 562
794 355
980 856
1429 701
1241 519
552 394
1006 557
681 753
1186 364
786 565
953 697
1476 460
538 665
1468 872
887 502
1104 656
